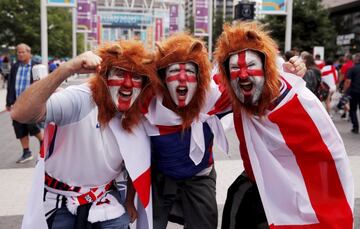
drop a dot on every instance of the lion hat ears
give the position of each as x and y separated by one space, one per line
131 56
249 35
182 48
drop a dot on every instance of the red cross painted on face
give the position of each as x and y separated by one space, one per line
181 81
246 66
182 74
122 78
124 87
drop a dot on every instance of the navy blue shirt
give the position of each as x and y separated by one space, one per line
170 153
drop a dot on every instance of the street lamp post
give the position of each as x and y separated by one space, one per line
44 33
288 31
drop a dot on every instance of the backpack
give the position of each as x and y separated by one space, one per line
322 91
313 82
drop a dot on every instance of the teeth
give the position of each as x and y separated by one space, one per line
126 92
245 83
182 88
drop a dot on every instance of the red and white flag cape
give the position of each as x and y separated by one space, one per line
135 150
299 162
329 75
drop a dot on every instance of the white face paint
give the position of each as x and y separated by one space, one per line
124 87
247 76
181 82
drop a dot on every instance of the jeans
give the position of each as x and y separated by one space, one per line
63 219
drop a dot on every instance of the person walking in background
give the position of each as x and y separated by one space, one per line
319 62
313 75
20 78
348 63
329 75
353 82
5 70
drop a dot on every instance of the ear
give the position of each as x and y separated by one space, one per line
160 49
251 35
226 39
149 59
115 49
196 46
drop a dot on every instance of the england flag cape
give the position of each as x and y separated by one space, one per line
329 75
160 119
299 162
135 150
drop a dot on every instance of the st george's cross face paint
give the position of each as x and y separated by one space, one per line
124 87
247 76
181 81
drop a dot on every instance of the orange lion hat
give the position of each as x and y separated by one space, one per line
181 48
131 56
249 35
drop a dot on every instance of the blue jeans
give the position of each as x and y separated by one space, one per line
63 219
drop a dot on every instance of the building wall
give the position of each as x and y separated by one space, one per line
345 15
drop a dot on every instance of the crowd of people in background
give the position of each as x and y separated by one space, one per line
335 82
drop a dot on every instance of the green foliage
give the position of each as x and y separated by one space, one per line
218 22
20 23
311 27
190 27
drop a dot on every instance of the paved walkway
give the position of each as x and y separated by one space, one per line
16 179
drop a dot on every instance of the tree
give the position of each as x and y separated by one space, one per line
190 26
218 22
20 23
311 27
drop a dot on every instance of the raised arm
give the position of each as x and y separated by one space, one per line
295 66
30 107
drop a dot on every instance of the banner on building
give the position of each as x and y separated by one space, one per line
61 3
125 20
149 37
158 29
94 21
273 7
201 21
84 22
174 15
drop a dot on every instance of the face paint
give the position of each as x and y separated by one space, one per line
181 82
124 87
247 76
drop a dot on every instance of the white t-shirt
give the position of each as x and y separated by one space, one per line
83 153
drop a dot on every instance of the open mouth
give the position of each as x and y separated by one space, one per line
125 94
246 86
181 90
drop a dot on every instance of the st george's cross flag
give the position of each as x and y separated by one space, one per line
135 150
299 162
329 75
160 120
34 216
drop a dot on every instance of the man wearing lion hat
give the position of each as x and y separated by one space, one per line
296 169
183 127
182 132
92 129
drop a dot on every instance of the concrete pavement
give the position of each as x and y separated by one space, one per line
16 178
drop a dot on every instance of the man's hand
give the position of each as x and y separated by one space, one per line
86 62
295 66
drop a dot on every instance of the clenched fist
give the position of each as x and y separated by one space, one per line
86 62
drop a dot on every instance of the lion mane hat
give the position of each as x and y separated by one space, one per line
131 56
249 35
181 48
